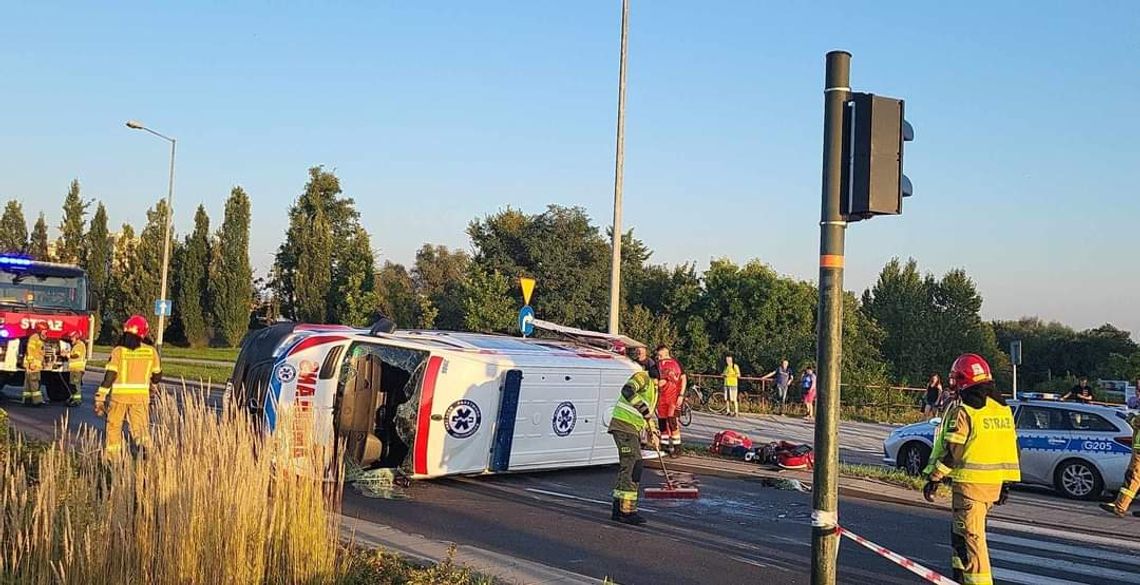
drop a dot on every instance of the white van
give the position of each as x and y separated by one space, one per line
435 403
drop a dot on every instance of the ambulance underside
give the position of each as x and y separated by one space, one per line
435 403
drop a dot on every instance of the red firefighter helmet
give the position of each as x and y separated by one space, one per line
40 327
136 324
969 370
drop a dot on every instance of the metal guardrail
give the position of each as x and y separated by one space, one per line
766 393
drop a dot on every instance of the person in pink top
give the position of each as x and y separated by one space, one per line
807 382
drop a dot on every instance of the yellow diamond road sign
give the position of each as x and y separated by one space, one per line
527 285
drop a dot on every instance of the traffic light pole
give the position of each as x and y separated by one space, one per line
825 500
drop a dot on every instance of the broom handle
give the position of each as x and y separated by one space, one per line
661 458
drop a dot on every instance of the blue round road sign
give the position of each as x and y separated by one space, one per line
526 320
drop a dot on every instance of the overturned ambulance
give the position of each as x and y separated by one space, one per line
435 403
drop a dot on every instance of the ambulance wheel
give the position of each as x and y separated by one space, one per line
57 388
1078 479
913 458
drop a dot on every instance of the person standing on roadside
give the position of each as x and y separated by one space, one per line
807 381
731 386
34 356
980 459
76 366
933 395
783 375
671 383
124 394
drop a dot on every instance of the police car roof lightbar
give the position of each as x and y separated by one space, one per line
15 261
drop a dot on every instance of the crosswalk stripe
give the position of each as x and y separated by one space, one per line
1069 549
1011 576
1119 543
1065 566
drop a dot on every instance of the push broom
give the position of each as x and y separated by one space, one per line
671 490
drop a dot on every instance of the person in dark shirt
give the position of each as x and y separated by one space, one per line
933 395
1080 393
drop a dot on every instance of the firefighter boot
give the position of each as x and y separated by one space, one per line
616 515
1111 509
627 512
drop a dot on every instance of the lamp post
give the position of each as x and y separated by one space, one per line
135 125
619 164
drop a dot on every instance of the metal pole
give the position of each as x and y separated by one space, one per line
166 245
615 261
1015 381
825 538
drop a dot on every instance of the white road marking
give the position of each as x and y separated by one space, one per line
1066 535
1069 549
580 499
1066 566
751 562
1011 576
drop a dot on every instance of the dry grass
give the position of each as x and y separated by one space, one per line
212 501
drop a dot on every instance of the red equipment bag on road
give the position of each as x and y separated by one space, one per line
800 457
730 443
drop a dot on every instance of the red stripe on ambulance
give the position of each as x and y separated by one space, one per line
423 424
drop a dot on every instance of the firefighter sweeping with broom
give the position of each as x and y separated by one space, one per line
633 416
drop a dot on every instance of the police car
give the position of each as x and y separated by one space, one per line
1080 450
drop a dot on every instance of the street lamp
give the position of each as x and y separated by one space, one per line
136 125
619 171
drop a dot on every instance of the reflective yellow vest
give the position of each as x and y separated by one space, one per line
990 454
34 354
134 368
645 392
77 360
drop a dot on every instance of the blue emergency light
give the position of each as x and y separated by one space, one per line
15 261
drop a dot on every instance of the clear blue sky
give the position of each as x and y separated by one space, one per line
1025 169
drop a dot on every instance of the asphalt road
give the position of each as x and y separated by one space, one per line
738 531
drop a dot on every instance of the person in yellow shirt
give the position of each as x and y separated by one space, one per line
980 458
34 365
76 367
133 367
731 382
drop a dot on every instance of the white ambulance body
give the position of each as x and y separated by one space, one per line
438 403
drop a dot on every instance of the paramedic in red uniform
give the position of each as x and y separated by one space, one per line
671 383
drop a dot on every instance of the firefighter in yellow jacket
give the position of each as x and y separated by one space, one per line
76 366
981 460
1127 491
34 365
633 417
133 367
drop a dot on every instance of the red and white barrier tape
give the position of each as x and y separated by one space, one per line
928 574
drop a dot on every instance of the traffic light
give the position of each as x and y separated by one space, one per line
875 129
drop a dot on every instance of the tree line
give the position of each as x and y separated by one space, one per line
210 282
906 326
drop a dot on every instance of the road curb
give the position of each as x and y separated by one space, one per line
492 564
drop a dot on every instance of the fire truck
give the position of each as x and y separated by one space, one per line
33 292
